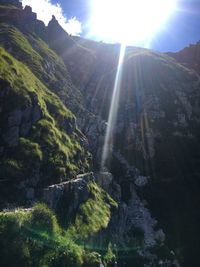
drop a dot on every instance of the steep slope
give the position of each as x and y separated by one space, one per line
39 140
33 237
156 136
40 145
142 208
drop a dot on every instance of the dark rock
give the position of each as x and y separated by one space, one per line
25 128
36 113
11 136
30 16
1 150
4 88
30 194
26 113
28 10
55 28
14 118
33 178
34 98
72 193
68 195
40 29
4 92
106 181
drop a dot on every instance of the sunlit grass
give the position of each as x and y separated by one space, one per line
54 132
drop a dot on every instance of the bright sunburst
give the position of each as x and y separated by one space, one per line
129 21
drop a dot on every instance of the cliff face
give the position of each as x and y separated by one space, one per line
156 133
142 207
38 132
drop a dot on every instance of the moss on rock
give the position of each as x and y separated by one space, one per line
53 142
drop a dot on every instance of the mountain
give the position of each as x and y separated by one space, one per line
95 170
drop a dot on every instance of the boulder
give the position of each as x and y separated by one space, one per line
69 194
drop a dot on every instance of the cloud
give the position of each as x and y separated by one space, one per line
45 9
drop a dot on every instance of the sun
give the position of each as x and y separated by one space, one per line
131 22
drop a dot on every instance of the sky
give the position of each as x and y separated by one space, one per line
182 28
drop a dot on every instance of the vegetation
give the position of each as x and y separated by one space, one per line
110 256
53 148
93 215
42 61
31 50
33 237
53 140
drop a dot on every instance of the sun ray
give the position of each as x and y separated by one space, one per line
107 148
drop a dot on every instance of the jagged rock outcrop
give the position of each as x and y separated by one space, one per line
55 30
70 50
24 18
66 197
71 193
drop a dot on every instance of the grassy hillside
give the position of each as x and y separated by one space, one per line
28 48
33 237
51 141
40 145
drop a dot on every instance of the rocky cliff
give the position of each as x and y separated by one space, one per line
141 208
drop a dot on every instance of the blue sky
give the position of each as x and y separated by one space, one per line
182 29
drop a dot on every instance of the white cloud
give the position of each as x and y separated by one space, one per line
45 9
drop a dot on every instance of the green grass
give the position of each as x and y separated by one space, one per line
31 50
25 85
35 53
30 150
34 238
53 140
94 215
20 45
